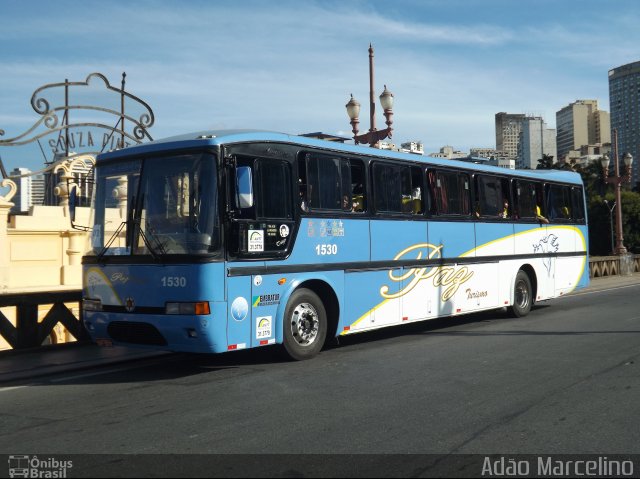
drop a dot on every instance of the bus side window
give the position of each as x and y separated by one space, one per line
324 182
525 197
303 198
417 185
331 183
559 203
392 188
270 203
578 204
492 197
358 192
452 193
432 192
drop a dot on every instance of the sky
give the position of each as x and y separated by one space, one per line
291 65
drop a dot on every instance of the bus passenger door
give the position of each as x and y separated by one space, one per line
239 313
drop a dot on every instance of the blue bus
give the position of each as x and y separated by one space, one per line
227 240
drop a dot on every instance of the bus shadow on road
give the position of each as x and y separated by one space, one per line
191 369
427 327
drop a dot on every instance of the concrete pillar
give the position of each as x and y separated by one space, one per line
5 206
72 272
62 190
627 264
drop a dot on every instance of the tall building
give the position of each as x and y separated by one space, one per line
37 189
508 128
624 100
22 199
536 140
31 189
580 123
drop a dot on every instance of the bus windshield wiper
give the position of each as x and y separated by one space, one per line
147 243
113 237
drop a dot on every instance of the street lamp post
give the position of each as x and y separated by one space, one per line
617 181
611 208
373 136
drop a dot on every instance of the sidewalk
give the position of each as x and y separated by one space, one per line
608 282
34 363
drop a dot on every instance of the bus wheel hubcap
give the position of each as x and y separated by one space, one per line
522 295
304 324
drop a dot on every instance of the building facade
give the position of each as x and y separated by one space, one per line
624 100
580 123
23 199
536 140
508 129
449 153
415 147
37 189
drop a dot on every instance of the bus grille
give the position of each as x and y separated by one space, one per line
136 333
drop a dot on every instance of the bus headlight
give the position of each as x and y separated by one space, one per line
91 305
199 308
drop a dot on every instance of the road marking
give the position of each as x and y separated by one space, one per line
11 388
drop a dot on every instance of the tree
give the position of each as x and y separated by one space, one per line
545 163
598 213
600 222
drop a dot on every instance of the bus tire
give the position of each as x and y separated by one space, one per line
305 325
522 295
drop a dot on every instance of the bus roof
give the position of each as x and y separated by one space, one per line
221 137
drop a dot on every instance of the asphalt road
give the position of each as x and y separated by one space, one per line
563 380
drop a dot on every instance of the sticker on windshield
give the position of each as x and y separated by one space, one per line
284 231
256 240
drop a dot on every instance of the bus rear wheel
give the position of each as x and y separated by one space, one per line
305 325
522 295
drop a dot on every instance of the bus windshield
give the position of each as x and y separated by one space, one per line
157 206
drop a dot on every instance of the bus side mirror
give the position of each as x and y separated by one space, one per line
73 204
244 187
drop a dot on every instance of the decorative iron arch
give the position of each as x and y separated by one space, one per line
50 115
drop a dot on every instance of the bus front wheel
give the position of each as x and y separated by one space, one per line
522 295
305 325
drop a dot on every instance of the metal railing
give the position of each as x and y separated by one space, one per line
29 331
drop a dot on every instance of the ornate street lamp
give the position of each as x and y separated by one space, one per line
617 181
611 208
373 136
